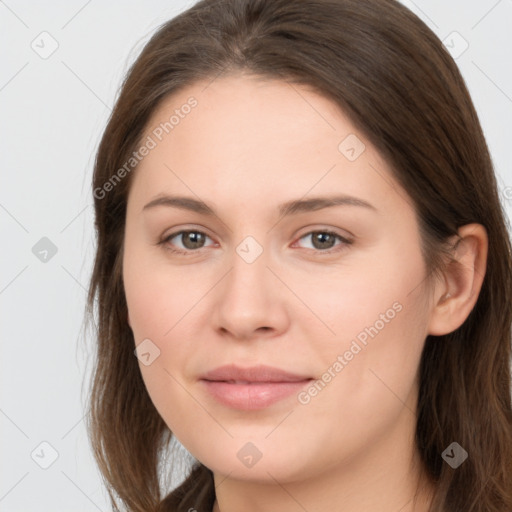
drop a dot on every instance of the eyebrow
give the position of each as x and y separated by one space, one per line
285 209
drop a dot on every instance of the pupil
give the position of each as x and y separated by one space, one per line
194 238
322 238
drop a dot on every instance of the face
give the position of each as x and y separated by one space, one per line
305 257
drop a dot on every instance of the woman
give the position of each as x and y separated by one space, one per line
300 239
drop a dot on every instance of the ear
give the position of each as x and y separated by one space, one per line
456 293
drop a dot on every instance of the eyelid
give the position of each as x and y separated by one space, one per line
315 228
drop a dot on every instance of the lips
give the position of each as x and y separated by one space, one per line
251 388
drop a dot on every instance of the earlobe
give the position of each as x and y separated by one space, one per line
457 293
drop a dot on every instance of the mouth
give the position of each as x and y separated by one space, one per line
252 388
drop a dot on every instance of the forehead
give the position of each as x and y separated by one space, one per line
251 113
250 138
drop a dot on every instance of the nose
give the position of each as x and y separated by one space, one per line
250 301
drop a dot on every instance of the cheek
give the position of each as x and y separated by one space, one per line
159 296
371 387
163 305
379 318
158 302
372 298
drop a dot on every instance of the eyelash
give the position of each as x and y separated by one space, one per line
190 252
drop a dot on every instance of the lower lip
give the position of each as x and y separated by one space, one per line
252 396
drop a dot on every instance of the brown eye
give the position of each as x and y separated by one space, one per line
193 239
185 241
324 240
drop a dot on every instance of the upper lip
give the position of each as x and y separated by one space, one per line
259 373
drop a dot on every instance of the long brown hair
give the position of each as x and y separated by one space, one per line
393 78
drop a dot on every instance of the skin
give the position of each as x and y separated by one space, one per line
248 146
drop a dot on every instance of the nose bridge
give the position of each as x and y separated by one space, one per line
249 299
250 250
248 278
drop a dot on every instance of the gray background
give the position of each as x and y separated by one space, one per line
54 108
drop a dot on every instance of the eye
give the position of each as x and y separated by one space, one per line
325 240
191 240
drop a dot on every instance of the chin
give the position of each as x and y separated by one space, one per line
257 461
